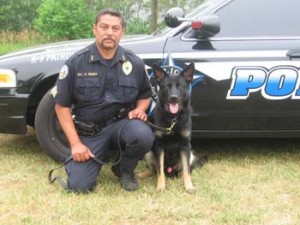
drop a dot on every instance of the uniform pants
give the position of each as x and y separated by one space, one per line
135 136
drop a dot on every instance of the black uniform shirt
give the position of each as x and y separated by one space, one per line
96 89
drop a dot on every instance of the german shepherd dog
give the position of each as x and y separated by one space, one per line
171 153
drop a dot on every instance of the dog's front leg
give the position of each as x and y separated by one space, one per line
161 178
186 173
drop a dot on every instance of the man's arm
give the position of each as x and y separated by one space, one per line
80 152
140 109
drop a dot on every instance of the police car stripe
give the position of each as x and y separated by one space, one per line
213 55
223 70
228 54
230 60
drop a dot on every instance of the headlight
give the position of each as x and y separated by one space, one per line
7 78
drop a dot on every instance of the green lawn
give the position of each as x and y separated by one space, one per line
256 182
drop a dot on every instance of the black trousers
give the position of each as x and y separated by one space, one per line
135 136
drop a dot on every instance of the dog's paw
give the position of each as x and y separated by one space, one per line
145 174
161 183
191 190
161 189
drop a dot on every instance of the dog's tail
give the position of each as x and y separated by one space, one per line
199 162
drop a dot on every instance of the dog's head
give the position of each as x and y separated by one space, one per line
173 89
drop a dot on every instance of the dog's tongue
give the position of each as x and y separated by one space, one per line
173 108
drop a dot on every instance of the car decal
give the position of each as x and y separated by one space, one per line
277 83
170 66
51 57
275 80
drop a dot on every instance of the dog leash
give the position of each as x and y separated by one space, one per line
52 179
168 130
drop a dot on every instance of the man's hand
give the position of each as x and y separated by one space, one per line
81 153
138 114
140 109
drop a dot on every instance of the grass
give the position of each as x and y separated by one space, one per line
256 182
11 41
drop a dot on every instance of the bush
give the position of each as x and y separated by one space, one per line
68 19
136 26
17 16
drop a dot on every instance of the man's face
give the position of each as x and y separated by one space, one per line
108 32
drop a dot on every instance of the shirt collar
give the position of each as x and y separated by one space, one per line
95 55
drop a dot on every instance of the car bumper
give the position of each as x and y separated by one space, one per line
12 113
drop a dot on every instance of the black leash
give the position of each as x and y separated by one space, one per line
168 130
52 179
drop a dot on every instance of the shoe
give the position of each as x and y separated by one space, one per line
128 181
116 170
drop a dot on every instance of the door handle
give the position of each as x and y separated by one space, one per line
293 54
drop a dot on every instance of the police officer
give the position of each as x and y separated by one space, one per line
94 85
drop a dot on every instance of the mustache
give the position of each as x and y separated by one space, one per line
109 39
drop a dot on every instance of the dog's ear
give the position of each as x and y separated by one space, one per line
188 72
158 72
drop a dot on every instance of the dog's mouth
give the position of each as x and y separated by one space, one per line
173 107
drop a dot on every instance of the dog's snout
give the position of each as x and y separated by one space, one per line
174 98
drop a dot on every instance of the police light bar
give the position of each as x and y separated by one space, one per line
197 25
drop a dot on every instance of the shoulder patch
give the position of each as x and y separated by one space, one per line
54 91
63 72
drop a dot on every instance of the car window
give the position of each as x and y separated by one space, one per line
259 18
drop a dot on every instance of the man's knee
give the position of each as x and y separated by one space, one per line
81 176
81 185
142 135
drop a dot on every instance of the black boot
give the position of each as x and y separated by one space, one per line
116 170
124 170
128 181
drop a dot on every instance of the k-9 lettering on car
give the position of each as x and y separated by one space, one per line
246 81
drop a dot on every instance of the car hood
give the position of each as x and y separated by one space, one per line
67 46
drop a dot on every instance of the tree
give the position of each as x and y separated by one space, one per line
16 15
154 16
68 19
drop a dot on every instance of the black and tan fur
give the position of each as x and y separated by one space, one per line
171 154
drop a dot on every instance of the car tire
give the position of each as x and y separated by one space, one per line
48 130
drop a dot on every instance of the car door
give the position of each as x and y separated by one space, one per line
247 76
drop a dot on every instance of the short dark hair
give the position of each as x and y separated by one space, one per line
111 12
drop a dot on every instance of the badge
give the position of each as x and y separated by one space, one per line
63 72
127 67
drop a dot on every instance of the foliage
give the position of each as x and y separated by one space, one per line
16 15
73 19
11 41
68 19
137 26
131 10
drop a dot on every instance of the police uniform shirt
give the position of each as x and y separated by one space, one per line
96 88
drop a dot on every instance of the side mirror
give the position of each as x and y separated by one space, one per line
207 26
174 17
204 27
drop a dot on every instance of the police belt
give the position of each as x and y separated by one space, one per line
84 128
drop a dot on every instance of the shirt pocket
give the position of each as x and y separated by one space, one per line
129 87
88 88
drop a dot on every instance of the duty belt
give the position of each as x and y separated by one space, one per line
91 128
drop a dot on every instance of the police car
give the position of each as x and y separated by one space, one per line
246 84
